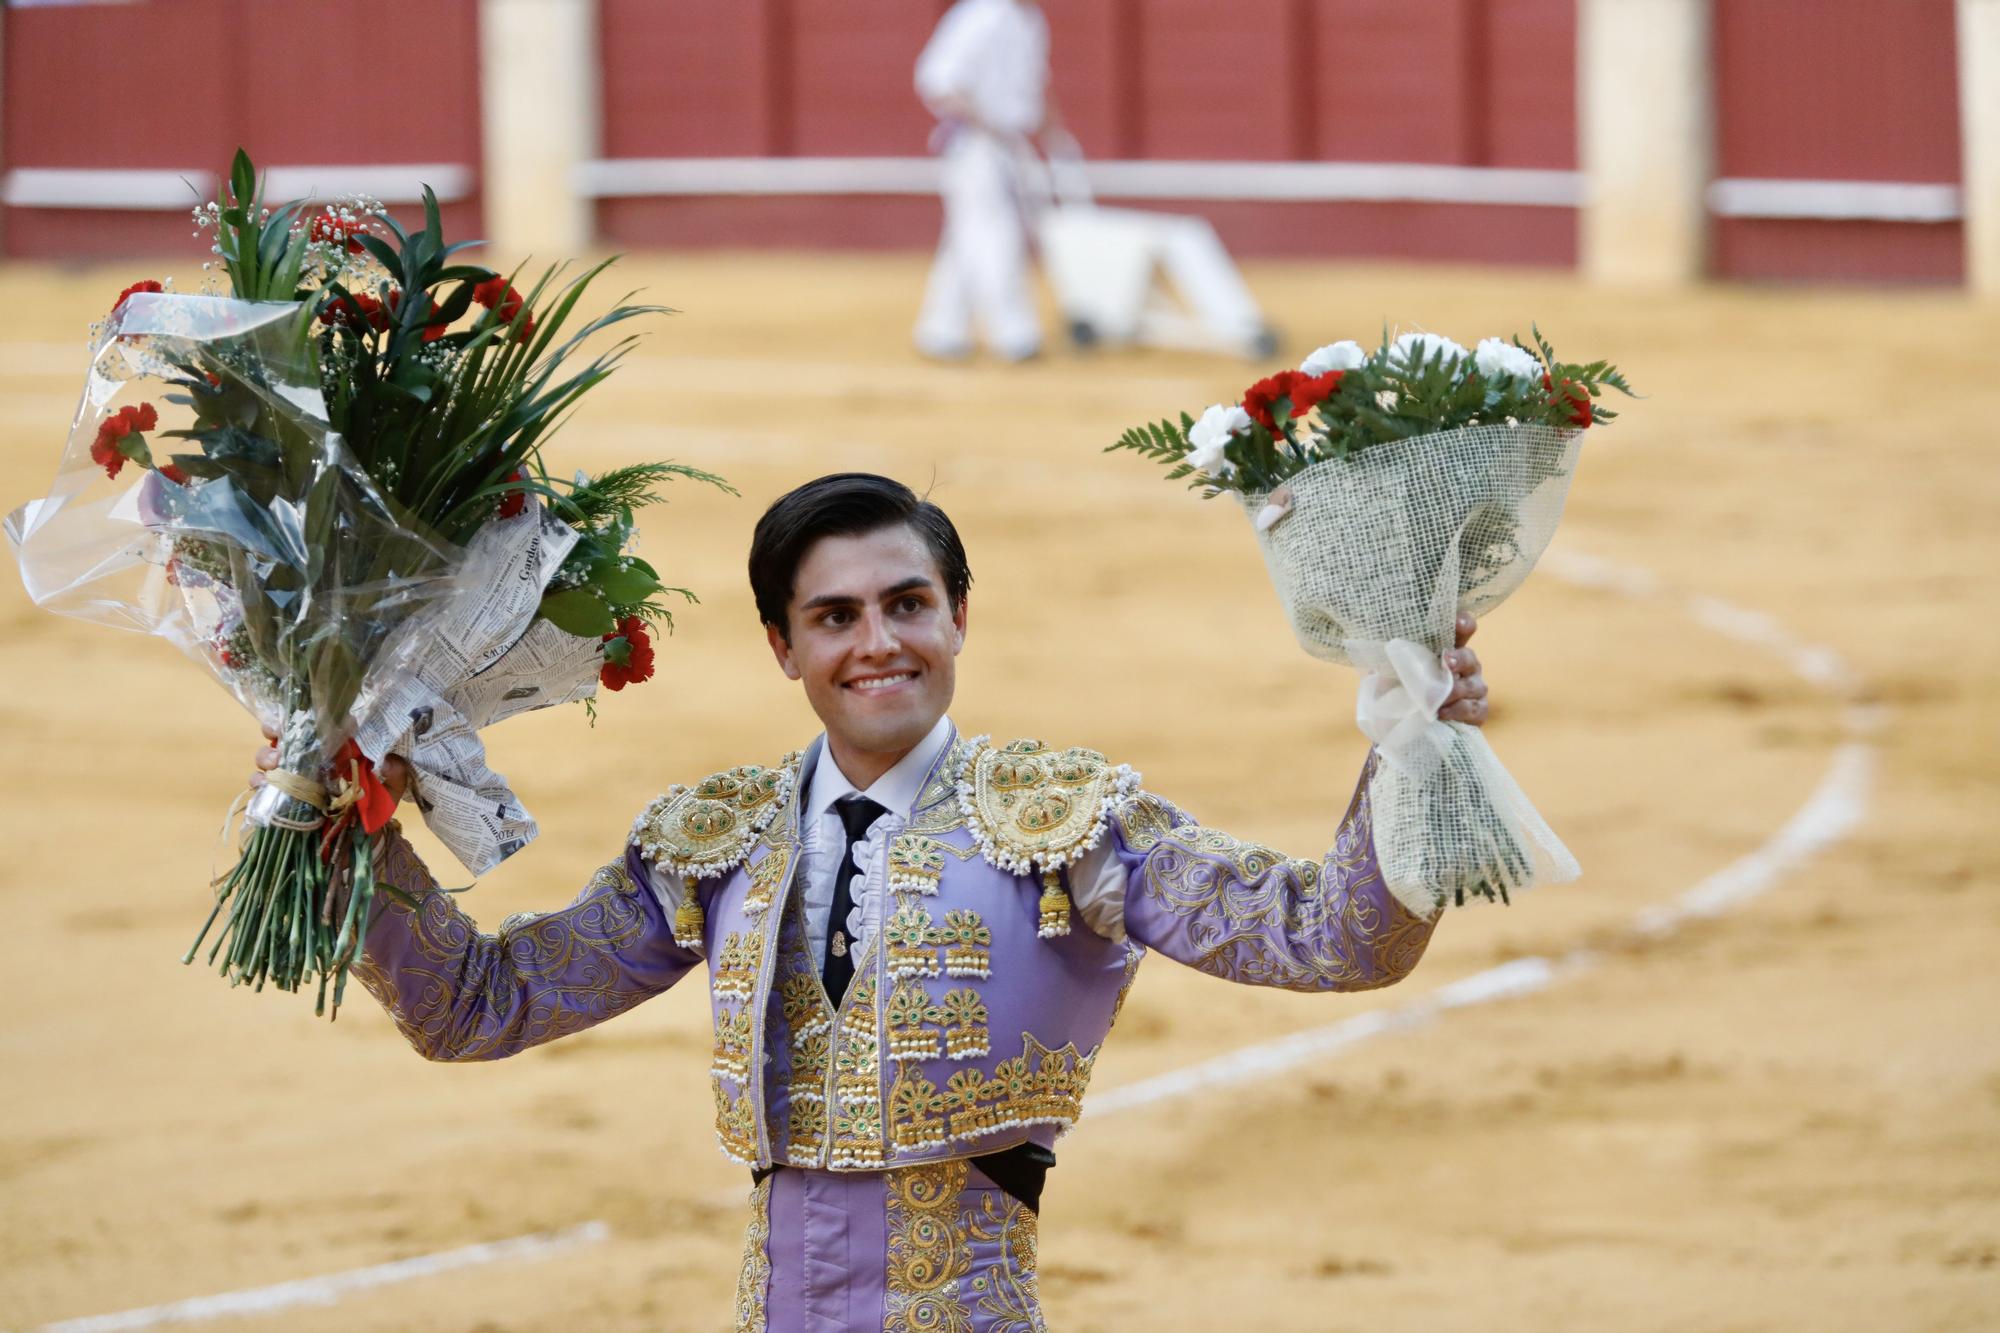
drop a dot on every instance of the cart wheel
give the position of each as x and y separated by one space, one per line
1265 345
1082 334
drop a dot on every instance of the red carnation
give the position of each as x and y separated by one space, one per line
497 295
173 474
505 303
357 311
147 286
1575 395
1305 391
514 500
104 450
628 655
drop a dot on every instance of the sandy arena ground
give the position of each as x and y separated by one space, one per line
1784 1118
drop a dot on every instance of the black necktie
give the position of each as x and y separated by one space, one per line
856 813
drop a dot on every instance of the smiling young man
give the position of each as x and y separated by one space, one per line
916 941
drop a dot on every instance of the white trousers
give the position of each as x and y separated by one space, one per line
981 270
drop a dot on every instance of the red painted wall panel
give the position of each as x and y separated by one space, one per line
68 103
840 222
1530 83
1837 89
1805 250
243 72
311 92
1093 73
1394 80
852 67
692 78
1221 81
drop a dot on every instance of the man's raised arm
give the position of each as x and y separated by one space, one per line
1248 913
458 993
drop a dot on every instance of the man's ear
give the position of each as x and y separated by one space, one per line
781 649
958 625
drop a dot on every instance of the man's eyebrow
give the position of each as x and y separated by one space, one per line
910 584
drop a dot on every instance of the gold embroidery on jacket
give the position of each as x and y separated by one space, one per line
909 1012
735 1124
736 965
928 1250
1036 809
753 1280
967 944
857 1075
708 829
767 877
1004 1289
912 942
916 862
1038 1087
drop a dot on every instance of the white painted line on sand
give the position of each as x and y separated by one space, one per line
330 1289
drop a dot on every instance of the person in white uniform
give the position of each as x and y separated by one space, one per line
984 75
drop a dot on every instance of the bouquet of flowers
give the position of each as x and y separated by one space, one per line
1391 490
340 507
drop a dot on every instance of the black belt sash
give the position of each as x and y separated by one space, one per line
1020 1170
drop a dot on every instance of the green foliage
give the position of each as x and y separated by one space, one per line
598 582
1388 398
264 256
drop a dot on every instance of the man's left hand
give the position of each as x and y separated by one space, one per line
1467 700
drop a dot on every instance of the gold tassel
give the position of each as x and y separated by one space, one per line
689 923
1055 906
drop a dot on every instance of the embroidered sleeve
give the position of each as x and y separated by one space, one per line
1248 913
458 993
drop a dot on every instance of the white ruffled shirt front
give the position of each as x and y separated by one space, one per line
1097 882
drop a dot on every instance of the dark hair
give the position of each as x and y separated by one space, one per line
846 504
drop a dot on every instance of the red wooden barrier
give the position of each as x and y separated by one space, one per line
1805 89
178 86
1837 90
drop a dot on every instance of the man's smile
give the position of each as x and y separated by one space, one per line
881 682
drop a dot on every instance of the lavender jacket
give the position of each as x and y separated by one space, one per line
975 1015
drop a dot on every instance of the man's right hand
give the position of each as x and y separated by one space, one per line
395 774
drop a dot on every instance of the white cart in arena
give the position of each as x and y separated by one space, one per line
1127 276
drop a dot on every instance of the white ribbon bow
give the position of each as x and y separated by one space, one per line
1401 714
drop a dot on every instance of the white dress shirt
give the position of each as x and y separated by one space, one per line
1097 882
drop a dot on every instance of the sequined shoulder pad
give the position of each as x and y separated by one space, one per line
708 829
1033 808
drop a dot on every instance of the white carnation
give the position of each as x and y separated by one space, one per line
1412 349
1497 357
1211 435
1343 355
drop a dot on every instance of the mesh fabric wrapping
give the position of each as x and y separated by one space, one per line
1392 543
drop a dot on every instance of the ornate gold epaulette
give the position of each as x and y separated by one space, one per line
708 829
1036 810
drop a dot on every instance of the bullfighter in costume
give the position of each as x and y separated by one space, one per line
916 940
